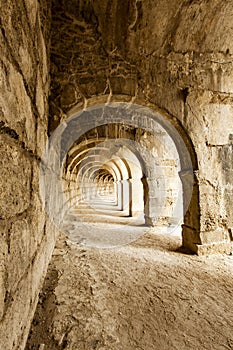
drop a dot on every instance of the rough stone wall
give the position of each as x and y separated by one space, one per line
26 239
176 55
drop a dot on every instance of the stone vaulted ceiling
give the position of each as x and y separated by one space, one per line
135 47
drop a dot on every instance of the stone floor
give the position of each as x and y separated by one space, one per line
146 295
103 227
110 227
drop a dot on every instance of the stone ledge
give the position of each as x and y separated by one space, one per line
156 221
224 247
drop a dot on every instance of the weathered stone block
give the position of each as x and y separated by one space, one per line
16 172
218 235
120 85
19 252
15 104
18 36
215 248
21 306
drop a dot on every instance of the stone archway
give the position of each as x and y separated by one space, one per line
139 123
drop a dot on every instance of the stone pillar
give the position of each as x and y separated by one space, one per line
126 195
119 195
136 200
191 226
196 234
115 192
157 213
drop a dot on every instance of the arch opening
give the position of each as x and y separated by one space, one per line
107 175
135 152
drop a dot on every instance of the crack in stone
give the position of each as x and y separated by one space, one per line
4 129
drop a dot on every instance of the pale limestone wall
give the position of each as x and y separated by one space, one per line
172 54
27 237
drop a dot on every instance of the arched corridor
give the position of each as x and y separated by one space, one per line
116 141
143 155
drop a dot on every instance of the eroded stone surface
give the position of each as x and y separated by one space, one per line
25 243
142 296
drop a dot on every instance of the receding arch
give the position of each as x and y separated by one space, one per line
135 161
149 118
191 226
